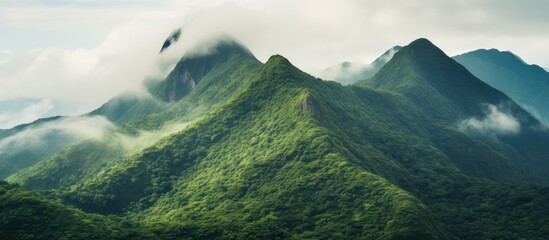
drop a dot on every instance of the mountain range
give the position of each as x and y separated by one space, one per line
503 70
526 84
228 147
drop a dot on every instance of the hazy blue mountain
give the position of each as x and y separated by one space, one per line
349 73
527 84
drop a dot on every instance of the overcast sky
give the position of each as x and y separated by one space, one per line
72 56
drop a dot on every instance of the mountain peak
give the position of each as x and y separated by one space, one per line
421 42
424 73
280 67
195 64
278 60
424 50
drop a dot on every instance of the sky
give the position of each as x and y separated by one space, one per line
69 57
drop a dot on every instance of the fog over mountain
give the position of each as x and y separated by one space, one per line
81 53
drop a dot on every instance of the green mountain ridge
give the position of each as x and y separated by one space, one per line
447 92
274 153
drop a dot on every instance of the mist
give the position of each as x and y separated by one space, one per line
71 129
495 122
144 139
82 79
66 59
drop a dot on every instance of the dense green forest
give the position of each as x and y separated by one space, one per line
246 150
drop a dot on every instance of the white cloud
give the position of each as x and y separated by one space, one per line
73 127
27 114
495 122
146 139
86 77
78 56
5 56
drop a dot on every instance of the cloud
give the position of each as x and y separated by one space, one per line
495 122
85 77
62 132
70 128
11 117
84 52
144 139
317 34
345 73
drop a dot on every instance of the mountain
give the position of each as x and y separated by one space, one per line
527 84
349 73
239 149
142 121
193 67
257 145
449 94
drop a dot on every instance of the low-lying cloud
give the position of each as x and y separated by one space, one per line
72 129
345 73
496 122
144 139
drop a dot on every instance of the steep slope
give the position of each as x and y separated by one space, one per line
527 84
349 73
142 121
448 95
262 167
